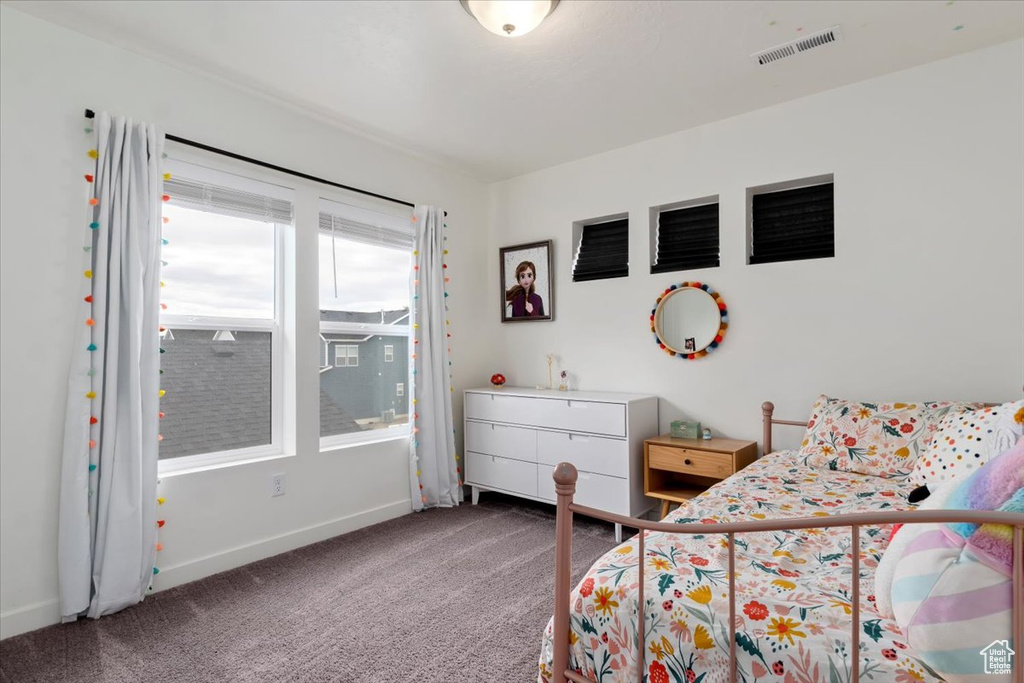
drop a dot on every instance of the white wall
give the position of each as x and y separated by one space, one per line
215 519
924 299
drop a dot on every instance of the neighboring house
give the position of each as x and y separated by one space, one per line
218 393
366 375
399 317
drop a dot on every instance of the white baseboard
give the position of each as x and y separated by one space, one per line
175 575
29 618
35 616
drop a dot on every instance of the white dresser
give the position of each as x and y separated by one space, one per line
515 437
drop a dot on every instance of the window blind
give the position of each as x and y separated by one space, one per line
387 231
793 224
603 252
687 238
226 201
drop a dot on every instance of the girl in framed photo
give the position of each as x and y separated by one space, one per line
522 296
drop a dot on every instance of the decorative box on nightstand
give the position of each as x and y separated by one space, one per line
676 470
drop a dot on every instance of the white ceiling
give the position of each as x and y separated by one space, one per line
596 75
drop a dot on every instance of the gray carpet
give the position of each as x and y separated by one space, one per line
441 596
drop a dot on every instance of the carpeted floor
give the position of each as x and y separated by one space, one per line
438 597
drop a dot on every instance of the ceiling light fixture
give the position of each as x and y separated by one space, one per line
509 18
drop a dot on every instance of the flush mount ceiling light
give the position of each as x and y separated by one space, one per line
509 18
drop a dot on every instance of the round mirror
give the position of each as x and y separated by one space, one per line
689 320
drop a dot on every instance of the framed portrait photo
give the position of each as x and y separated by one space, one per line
526 283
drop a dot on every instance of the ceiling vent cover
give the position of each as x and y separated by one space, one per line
774 54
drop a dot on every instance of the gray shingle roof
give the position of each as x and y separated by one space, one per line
218 393
334 420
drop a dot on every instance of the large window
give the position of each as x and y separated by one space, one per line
221 310
365 277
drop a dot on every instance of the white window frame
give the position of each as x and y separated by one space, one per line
338 206
400 389
389 353
276 447
295 420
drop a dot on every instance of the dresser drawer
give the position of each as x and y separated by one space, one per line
686 461
588 453
519 410
610 494
501 473
585 416
555 413
503 440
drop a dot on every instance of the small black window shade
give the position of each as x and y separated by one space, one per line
793 224
604 251
687 238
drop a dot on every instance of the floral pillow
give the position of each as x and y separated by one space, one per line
880 439
940 409
967 440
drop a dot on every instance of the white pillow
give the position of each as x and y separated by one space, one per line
966 441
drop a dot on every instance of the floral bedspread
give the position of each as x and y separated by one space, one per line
793 593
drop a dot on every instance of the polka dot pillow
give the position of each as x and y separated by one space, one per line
967 440
880 439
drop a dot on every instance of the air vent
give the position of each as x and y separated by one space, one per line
774 54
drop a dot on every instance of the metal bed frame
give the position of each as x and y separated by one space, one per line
565 487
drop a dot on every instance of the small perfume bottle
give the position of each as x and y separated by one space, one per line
707 434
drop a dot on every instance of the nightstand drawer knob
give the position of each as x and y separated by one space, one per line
687 462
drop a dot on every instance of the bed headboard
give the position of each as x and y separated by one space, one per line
767 408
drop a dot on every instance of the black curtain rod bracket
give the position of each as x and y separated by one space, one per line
89 114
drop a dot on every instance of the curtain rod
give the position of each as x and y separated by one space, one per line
89 113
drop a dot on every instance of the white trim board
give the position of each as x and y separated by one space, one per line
46 613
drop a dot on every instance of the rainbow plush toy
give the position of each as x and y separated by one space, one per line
952 589
999 485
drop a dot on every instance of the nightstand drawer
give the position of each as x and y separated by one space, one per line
686 461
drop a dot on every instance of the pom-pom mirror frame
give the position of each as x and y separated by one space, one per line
723 324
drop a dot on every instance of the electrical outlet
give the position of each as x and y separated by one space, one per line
277 485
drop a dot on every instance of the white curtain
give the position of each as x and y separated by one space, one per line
434 472
107 541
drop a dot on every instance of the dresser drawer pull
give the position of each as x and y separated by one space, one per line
687 462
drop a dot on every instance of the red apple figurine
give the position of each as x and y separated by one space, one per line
497 379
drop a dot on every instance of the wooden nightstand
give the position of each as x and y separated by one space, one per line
676 470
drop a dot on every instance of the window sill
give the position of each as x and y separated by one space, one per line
201 463
331 444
